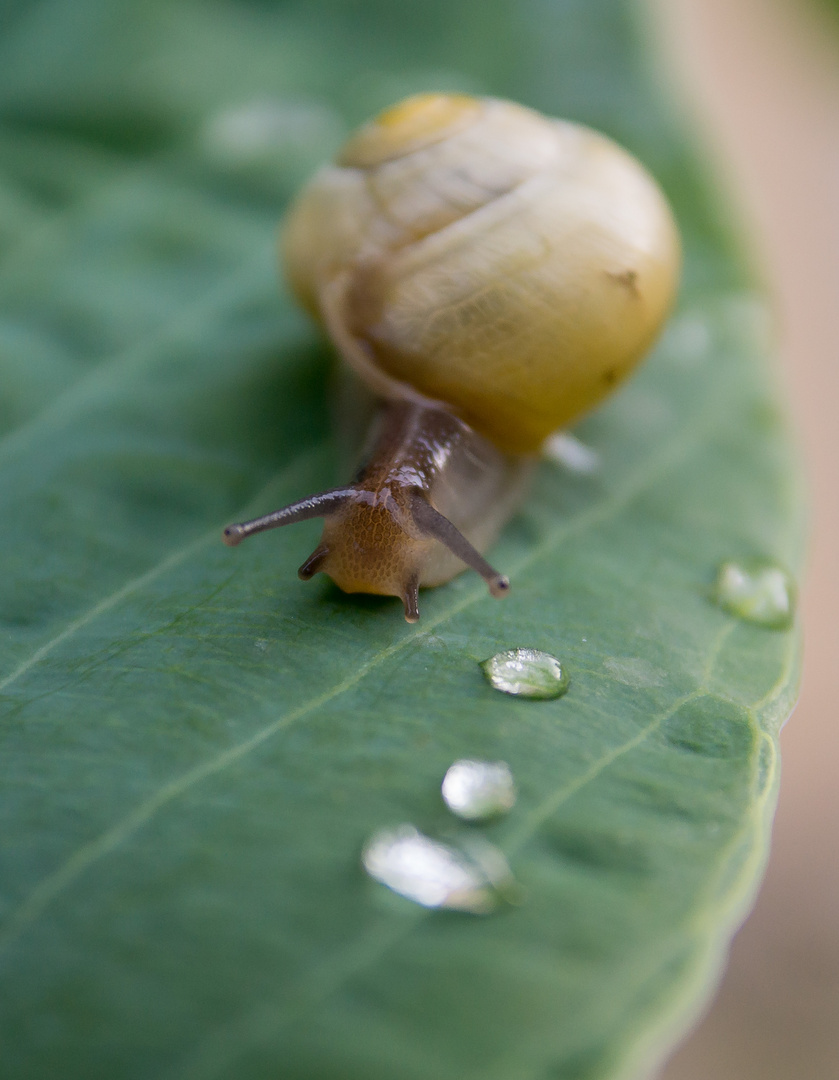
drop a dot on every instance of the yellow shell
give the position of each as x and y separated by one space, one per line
473 252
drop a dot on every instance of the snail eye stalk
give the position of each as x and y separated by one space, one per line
315 506
433 525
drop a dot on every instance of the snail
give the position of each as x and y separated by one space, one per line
490 274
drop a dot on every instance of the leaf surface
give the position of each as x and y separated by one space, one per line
195 744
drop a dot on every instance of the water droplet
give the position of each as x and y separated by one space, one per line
634 671
473 876
527 673
567 450
756 591
476 790
261 644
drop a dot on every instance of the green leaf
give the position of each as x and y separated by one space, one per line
196 745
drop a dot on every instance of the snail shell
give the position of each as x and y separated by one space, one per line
489 273
511 266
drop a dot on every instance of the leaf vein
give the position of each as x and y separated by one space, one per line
215 301
85 856
109 602
223 1048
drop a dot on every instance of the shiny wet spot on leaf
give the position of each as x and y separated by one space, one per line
472 876
634 671
756 591
567 450
477 790
528 673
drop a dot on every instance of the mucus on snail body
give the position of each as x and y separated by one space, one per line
490 274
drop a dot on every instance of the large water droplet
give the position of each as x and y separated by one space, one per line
756 591
527 673
473 876
476 790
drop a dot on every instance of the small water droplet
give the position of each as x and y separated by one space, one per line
527 673
261 644
476 790
756 591
473 876
567 450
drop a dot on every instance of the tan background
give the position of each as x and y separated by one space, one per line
764 76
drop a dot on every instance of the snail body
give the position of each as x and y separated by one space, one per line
490 274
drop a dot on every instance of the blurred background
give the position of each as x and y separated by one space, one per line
762 78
